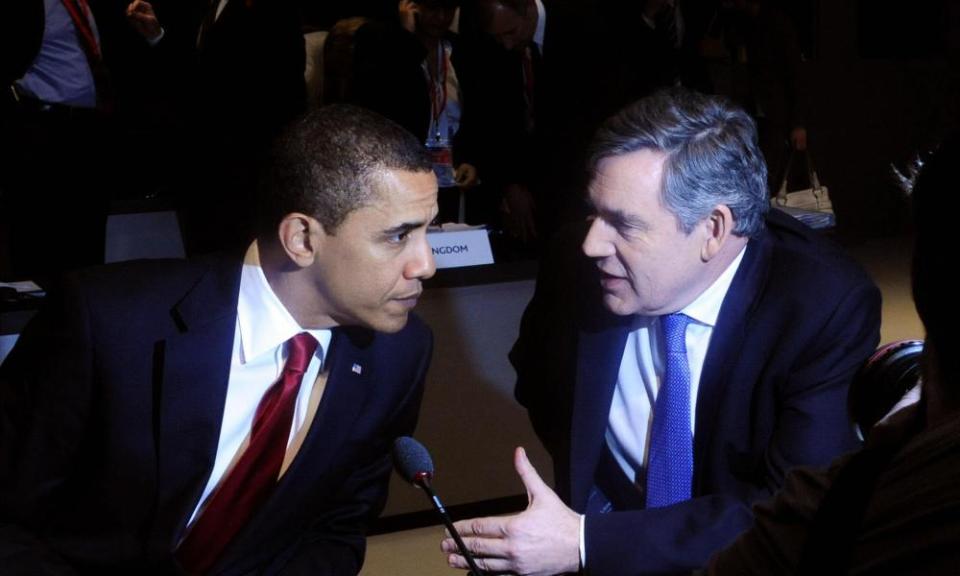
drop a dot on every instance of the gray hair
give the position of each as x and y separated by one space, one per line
712 155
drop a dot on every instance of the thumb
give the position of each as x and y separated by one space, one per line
536 488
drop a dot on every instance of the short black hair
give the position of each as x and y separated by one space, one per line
326 164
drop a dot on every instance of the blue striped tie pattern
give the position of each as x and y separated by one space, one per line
670 462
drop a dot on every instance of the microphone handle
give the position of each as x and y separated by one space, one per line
438 506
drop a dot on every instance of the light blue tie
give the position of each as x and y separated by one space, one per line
670 462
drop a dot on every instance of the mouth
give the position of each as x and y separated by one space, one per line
410 300
610 281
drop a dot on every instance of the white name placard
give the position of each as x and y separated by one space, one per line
460 247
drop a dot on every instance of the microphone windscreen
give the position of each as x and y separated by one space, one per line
411 458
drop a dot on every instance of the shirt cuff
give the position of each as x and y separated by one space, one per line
154 41
583 547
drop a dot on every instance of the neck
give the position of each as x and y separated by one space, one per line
431 43
530 20
731 248
294 287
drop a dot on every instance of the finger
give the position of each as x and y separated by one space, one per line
527 227
535 485
531 225
490 565
141 7
490 527
485 547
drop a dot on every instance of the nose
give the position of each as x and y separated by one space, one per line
597 244
421 264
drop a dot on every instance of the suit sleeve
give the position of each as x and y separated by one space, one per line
21 33
543 352
812 427
335 542
45 386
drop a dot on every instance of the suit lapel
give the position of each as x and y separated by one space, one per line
352 367
195 368
598 364
725 343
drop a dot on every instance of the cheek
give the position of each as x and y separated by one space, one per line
385 279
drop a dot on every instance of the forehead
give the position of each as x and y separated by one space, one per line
399 187
629 182
503 18
399 196
437 5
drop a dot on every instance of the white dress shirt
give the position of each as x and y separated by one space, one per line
541 28
259 353
60 73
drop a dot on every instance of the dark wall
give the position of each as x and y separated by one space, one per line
878 103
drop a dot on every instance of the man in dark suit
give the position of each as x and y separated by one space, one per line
701 349
413 71
137 410
57 128
544 85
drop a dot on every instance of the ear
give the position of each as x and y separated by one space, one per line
717 228
301 238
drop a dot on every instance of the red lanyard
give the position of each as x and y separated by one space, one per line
438 87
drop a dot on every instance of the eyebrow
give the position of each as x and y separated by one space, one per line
618 218
402 228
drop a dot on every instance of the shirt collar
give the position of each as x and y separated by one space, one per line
706 308
541 25
263 321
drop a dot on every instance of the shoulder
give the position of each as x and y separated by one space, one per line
149 280
145 296
803 258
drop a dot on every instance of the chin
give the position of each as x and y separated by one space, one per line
389 324
619 306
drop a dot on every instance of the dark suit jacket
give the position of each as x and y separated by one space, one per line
887 509
577 84
110 412
797 322
21 31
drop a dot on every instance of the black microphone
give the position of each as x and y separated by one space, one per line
413 464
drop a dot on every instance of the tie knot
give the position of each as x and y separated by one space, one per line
675 331
301 348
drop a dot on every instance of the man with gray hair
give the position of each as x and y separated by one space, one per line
698 348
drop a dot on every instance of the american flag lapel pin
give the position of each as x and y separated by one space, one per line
357 369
